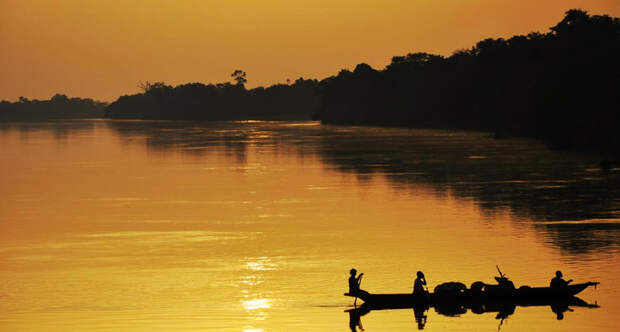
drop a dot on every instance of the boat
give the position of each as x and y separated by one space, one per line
486 294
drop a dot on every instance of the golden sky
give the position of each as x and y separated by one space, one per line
102 49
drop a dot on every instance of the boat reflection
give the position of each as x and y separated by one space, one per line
502 309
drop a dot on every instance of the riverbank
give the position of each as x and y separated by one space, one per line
561 87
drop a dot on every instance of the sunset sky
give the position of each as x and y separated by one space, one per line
102 49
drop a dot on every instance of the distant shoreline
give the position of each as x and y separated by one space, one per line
561 87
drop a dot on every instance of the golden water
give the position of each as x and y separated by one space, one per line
253 226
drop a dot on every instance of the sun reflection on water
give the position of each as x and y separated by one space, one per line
256 304
260 264
255 308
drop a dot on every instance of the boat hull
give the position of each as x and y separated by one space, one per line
519 296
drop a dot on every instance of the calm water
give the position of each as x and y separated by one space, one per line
162 226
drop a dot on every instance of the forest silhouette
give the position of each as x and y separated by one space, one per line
562 87
58 107
221 101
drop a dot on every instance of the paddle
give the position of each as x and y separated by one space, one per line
428 294
500 272
500 322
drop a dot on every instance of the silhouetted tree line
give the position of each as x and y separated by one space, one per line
222 101
58 107
562 87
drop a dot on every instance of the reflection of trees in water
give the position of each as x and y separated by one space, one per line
62 129
583 237
233 139
521 176
186 137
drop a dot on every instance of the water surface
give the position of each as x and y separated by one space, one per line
253 226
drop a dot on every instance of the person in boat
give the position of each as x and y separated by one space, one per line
354 282
419 283
558 281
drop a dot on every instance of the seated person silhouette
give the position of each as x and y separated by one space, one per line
418 285
558 281
354 283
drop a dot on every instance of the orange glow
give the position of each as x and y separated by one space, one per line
101 49
105 227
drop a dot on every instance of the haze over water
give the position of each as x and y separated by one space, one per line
253 226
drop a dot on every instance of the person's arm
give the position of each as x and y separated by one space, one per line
568 282
359 277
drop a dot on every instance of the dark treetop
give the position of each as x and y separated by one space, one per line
57 107
562 87
222 101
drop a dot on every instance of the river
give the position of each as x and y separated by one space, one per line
253 226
